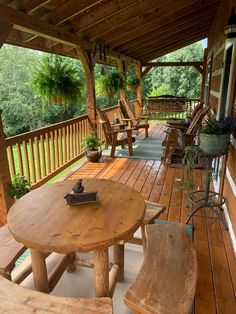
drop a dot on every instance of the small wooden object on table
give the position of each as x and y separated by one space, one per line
166 282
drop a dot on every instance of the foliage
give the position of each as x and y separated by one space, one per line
132 81
91 142
161 90
18 187
109 84
211 125
57 81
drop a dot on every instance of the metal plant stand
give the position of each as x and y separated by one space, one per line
207 198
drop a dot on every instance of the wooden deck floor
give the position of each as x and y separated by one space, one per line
216 286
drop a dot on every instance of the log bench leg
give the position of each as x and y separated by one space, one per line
71 267
39 271
101 272
118 256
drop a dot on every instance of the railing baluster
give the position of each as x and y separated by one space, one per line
26 156
75 153
65 146
71 142
56 148
20 162
52 149
68 143
36 143
48 153
60 148
43 156
11 161
31 148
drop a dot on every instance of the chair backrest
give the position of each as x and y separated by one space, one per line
196 122
106 126
136 107
126 111
197 108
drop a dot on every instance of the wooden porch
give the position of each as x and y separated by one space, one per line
216 288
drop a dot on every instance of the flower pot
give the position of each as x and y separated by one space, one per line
214 144
93 155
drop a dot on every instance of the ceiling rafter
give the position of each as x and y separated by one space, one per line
154 22
33 5
174 31
182 21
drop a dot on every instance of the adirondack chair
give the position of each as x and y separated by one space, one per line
178 123
128 116
177 139
114 137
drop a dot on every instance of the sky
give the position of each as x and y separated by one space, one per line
204 42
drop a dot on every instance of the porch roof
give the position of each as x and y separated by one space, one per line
133 30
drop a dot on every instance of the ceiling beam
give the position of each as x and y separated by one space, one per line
152 22
96 15
173 64
33 5
109 24
182 22
35 26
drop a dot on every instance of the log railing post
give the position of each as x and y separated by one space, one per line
204 75
122 68
5 178
139 89
88 60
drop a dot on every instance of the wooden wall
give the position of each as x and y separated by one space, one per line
216 48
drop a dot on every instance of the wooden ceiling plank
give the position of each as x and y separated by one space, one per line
32 5
173 64
166 34
109 24
35 26
142 26
99 14
5 29
168 27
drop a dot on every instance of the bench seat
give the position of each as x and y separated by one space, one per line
16 299
166 282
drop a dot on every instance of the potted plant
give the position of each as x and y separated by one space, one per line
110 83
92 145
18 187
214 135
132 83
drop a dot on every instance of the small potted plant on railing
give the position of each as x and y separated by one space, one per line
92 148
18 187
132 83
214 135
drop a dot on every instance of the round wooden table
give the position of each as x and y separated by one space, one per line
43 222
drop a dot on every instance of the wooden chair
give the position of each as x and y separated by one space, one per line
177 139
10 251
115 137
153 211
16 299
166 282
128 116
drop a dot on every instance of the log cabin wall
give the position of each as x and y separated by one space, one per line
217 44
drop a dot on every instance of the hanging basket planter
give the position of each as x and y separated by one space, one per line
132 88
214 144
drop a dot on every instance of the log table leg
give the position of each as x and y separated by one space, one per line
71 266
39 271
101 272
118 256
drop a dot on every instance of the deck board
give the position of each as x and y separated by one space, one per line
216 287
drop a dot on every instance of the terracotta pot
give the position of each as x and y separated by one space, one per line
93 155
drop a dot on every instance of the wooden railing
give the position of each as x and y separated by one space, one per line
41 154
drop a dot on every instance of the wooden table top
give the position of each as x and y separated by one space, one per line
41 219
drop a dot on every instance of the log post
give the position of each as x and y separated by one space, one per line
139 90
204 75
122 69
118 256
39 270
5 178
5 29
101 272
88 60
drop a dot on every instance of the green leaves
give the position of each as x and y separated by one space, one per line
18 187
91 142
110 84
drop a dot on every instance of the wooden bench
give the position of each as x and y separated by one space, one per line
10 251
16 299
166 282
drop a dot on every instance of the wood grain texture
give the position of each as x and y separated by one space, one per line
166 282
15 299
42 220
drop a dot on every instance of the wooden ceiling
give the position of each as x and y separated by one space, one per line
139 29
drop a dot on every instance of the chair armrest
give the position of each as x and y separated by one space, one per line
127 119
120 131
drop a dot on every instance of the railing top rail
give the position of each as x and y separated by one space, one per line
35 133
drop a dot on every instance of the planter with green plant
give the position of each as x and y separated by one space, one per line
18 187
92 147
214 135
110 83
132 83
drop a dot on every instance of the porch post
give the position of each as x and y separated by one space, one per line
139 89
88 60
5 200
204 75
122 69
5 29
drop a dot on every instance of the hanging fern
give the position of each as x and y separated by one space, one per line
110 84
56 81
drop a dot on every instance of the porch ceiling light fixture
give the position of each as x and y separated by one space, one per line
230 28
